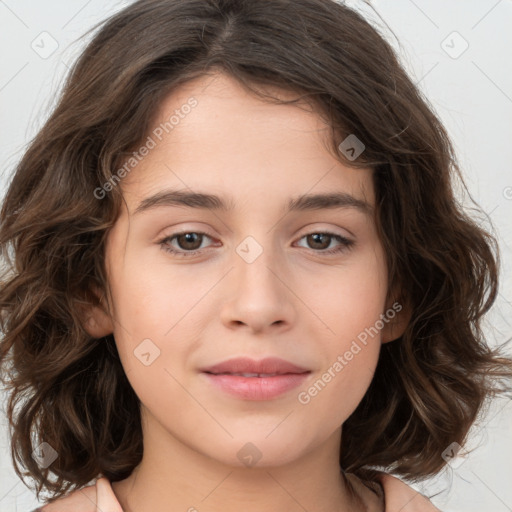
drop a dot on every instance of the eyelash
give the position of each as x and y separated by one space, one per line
346 244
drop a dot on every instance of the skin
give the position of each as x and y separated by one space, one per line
293 302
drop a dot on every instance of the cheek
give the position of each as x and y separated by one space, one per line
350 357
353 296
152 329
154 341
159 326
350 306
149 303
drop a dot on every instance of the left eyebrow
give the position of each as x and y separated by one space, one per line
204 201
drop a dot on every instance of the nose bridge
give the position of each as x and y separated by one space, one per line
256 263
259 297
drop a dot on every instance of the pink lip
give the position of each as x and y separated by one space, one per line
256 388
247 365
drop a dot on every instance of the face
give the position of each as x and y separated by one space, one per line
193 285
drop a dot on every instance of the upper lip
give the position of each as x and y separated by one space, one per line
268 365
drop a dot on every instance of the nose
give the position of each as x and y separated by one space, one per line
261 296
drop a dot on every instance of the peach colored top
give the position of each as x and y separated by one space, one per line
391 496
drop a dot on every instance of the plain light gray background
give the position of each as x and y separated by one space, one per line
458 51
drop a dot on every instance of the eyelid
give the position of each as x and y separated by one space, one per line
330 230
175 234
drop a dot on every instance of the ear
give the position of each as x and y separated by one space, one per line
95 319
398 315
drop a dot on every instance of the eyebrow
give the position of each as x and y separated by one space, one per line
205 201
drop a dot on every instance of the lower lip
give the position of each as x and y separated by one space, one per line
257 388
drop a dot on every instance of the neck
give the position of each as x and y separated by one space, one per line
174 476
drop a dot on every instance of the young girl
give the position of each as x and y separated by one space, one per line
238 275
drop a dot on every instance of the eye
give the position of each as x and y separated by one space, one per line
318 240
190 243
187 243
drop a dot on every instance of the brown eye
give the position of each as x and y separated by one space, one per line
187 243
319 242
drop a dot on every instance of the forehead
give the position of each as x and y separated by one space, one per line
213 134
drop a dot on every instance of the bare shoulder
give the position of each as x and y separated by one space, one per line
400 496
81 500
93 498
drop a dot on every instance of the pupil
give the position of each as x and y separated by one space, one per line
316 239
189 239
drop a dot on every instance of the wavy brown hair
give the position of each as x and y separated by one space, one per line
70 390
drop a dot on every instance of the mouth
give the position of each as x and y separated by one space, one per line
250 379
